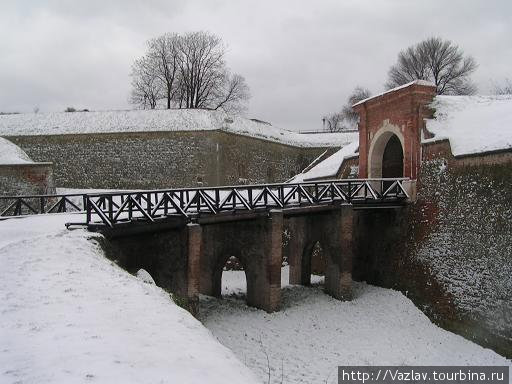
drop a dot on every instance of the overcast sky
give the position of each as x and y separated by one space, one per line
301 59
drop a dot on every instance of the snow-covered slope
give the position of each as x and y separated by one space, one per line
472 124
12 154
68 315
329 167
158 120
314 333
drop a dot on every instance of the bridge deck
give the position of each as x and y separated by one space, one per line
211 203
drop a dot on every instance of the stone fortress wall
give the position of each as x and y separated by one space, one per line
155 160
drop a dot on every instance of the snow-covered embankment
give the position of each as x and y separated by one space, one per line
69 315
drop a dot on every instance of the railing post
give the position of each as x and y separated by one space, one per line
41 204
249 195
17 210
166 198
148 204
110 209
87 208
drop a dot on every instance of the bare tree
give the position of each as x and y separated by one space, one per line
346 119
188 71
505 88
332 122
232 94
163 58
201 64
359 93
146 86
438 61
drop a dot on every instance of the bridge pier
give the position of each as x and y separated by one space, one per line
170 252
194 252
257 243
334 231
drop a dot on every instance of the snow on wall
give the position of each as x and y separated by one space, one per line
329 167
12 154
54 123
465 239
472 124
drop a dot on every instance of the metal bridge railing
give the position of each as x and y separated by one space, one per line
39 204
112 208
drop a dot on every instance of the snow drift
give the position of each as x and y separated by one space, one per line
472 124
69 315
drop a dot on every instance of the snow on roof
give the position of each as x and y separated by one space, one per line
329 167
472 124
248 127
417 82
12 154
54 123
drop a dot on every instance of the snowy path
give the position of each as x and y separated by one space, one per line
314 333
68 315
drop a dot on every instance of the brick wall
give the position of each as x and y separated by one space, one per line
462 233
164 159
25 179
349 168
451 250
404 109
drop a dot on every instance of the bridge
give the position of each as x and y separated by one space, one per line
183 237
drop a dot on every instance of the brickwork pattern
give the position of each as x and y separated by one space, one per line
405 108
25 179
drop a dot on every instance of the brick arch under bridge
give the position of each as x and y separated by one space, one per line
257 245
334 231
187 259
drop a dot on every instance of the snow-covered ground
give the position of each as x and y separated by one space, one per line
315 333
54 123
69 315
472 124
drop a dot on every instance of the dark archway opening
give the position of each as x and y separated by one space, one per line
393 159
313 264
